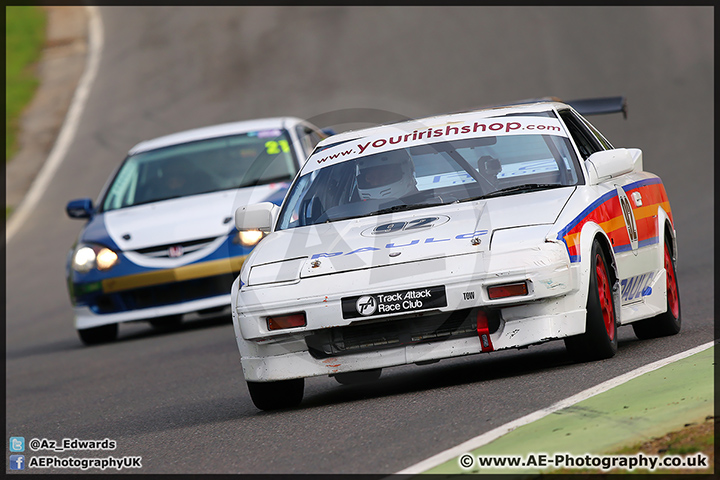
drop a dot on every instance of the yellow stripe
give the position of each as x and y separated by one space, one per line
171 275
649 210
613 224
607 226
572 239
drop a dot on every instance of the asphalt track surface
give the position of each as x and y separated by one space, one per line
179 399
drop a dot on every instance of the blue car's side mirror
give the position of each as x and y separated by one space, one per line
329 132
80 208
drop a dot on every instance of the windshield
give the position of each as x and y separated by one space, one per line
223 163
426 174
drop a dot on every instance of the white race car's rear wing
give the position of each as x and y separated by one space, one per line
587 106
597 106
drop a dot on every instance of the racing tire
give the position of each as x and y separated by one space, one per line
169 323
277 395
600 338
667 323
355 378
101 334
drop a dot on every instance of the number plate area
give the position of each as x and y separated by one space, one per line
397 301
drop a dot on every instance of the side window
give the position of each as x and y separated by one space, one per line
308 138
586 142
600 137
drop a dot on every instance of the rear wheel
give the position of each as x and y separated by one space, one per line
600 338
354 378
667 323
277 395
101 334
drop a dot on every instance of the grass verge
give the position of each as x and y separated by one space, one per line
693 438
24 39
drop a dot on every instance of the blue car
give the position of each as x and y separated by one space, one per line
160 243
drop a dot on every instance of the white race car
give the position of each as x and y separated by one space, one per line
160 242
452 235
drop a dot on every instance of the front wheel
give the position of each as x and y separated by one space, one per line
101 334
168 323
277 395
600 338
667 323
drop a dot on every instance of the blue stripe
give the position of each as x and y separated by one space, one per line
622 248
642 183
644 243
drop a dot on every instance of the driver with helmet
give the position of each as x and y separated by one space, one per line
386 175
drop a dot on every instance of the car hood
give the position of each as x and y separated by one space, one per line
209 215
412 236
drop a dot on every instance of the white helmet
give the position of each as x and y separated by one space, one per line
386 175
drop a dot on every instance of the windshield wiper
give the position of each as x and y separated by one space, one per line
528 187
399 208
265 181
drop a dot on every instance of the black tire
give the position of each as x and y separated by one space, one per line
600 338
96 335
277 395
667 323
354 378
169 323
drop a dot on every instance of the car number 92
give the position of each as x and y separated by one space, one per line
394 302
406 226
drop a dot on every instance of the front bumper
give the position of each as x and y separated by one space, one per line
553 308
86 318
155 293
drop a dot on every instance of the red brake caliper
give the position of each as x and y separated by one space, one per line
672 295
605 295
484 332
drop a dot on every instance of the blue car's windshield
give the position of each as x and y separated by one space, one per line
203 166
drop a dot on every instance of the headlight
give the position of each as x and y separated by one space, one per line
106 258
248 238
84 259
275 272
87 257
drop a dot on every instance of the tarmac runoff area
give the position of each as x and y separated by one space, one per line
648 402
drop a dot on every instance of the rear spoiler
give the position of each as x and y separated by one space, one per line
598 106
586 106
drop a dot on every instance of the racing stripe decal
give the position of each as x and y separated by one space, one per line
171 275
607 213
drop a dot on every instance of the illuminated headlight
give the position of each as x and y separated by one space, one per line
87 257
106 258
248 238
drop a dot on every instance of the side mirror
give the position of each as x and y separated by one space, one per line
607 164
259 216
328 131
80 208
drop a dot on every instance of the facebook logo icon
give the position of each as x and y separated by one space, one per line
17 462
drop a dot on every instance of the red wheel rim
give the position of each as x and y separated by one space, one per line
605 296
672 293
